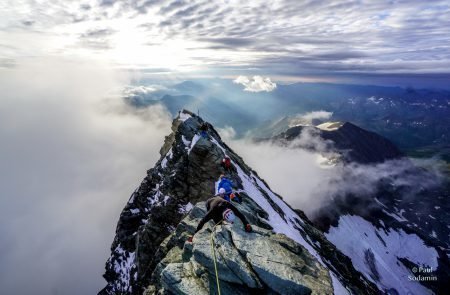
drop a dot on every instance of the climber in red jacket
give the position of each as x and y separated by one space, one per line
226 164
218 210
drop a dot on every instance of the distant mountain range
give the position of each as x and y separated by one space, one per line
411 118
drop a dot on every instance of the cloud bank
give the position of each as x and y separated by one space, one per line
256 83
309 181
72 153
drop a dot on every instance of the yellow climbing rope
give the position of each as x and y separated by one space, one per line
214 255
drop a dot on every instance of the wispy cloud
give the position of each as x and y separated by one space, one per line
309 117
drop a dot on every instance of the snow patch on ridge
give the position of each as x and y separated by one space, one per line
123 268
385 247
186 142
168 156
219 146
183 116
193 142
186 208
338 288
330 126
134 211
131 200
395 216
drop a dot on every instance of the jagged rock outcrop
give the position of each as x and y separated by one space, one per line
261 261
150 252
182 176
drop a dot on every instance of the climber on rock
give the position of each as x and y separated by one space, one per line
236 197
226 184
225 190
204 130
218 210
226 164
223 195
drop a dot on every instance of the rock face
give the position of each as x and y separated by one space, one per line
157 206
285 254
260 261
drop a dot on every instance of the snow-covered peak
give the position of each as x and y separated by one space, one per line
183 115
330 126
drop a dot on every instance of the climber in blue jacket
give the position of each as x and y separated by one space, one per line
226 184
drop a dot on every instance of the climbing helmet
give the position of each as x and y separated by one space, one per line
228 215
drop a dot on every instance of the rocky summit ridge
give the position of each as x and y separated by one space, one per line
285 253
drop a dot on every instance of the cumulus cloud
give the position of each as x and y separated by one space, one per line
72 152
307 118
256 84
146 91
227 133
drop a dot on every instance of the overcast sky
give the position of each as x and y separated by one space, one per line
363 40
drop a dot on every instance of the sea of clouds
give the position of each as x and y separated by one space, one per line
72 153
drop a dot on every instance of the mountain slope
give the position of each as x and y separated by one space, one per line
354 143
386 231
149 249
